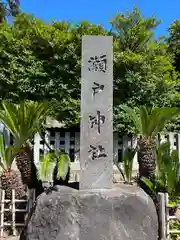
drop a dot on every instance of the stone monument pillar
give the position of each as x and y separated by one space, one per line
98 211
96 148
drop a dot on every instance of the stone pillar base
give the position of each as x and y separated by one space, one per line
122 213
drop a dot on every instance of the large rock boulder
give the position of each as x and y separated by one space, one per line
121 213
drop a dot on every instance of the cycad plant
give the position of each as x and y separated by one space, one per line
149 122
46 168
10 179
48 163
126 167
23 121
167 177
167 172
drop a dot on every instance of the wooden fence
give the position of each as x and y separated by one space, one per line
13 210
166 219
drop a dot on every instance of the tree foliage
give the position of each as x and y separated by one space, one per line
41 60
149 122
8 8
24 120
174 43
143 70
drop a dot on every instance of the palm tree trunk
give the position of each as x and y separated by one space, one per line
23 162
147 163
146 157
10 179
27 168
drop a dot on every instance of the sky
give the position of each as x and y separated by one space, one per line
101 11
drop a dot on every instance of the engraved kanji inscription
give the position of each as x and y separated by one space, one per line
97 88
98 63
97 120
96 131
97 152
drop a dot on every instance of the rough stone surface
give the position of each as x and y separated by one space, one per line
122 213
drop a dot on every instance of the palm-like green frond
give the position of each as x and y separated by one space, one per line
144 118
63 165
150 123
162 152
154 187
128 158
134 117
148 183
168 168
25 119
2 149
47 164
8 117
7 154
165 115
127 164
10 154
172 171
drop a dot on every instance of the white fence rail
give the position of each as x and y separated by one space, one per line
166 218
70 142
13 210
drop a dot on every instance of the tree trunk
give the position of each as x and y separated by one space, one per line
24 164
146 157
147 163
27 168
11 179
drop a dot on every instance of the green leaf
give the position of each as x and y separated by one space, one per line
148 183
63 166
168 169
9 118
2 148
134 117
144 119
10 154
153 121
7 154
128 157
43 61
121 172
47 164
165 115
24 119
